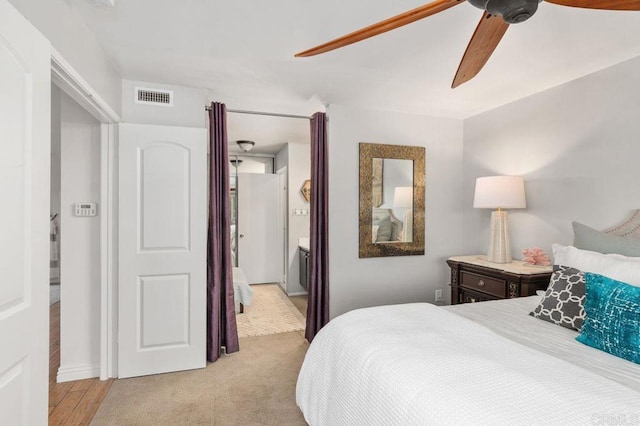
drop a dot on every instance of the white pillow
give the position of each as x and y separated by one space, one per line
374 233
615 266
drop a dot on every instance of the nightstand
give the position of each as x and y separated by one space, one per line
474 279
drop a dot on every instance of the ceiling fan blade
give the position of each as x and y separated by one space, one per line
382 27
484 41
600 4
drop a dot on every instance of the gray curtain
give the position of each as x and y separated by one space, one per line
221 317
318 298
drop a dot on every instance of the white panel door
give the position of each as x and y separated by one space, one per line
162 304
25 119
259 250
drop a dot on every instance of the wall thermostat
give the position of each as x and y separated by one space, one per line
86 209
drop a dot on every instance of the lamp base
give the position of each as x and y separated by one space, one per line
407 234
499 247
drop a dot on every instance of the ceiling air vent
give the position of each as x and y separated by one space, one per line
154 96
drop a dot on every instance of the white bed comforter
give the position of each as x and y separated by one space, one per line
242 292
417 364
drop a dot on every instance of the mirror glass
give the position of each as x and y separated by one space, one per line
391 219
392 201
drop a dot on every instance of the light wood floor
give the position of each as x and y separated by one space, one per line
70 403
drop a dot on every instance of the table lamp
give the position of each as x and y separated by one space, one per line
403 199
499 192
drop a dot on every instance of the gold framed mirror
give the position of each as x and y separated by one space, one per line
392 185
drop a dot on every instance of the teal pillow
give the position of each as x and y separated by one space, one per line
586 238
612 323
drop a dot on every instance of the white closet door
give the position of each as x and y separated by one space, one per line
25 118
259 251
162 304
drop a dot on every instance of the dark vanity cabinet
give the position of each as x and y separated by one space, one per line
305 270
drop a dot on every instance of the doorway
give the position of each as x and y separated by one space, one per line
75 262
75 182
277 302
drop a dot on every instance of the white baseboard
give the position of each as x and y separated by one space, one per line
298 293
78 372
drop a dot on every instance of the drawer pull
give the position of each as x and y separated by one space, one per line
481 283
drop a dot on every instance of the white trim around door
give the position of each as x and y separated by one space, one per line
69 81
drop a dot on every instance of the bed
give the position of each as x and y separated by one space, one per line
385 226
483 363
242 291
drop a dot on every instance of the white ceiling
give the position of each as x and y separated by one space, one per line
245 48
269 133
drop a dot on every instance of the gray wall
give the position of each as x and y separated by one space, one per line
68 33
296 157
577 146
282 158
79 243
187 110
299 170
357 283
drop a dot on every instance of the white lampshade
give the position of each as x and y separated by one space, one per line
499 192
403 197
505 192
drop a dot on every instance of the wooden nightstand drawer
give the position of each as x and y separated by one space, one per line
484 284
473 279
469 296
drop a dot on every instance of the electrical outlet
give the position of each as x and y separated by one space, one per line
439 295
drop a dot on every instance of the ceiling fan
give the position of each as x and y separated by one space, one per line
497 16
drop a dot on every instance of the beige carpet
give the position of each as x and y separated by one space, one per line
255 386
270 312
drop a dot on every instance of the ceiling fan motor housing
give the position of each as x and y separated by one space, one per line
512 11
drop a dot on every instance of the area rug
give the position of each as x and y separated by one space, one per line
270 312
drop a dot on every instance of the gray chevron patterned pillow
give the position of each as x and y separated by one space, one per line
563 302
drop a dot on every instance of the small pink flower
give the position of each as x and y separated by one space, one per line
535 256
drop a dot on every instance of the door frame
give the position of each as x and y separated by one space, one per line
283 223
71 82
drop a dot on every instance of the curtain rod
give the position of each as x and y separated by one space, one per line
270 114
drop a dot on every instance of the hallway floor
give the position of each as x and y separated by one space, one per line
300 302
70 403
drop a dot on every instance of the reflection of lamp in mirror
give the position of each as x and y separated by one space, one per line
403 199
499 192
